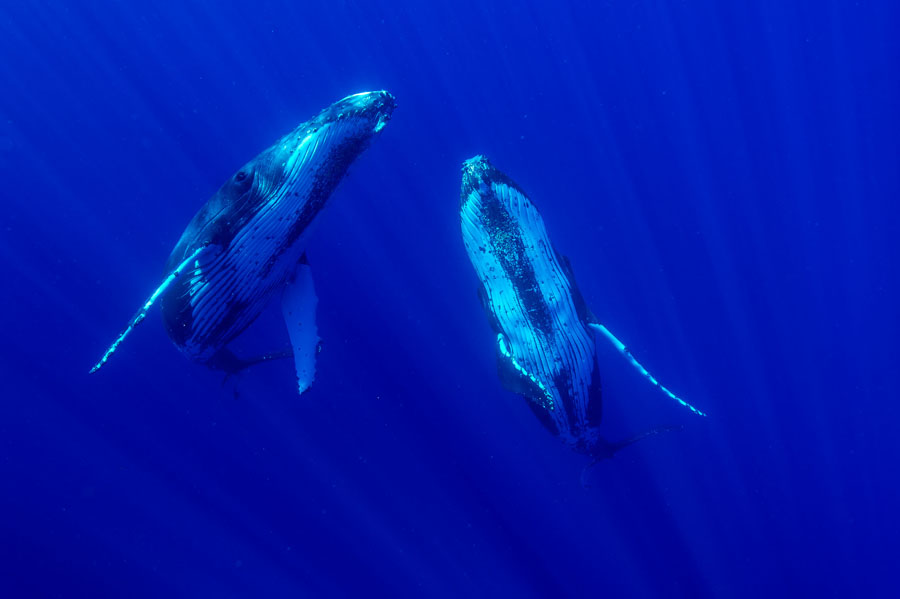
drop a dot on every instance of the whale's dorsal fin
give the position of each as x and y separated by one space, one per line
627 353
298 306
187 265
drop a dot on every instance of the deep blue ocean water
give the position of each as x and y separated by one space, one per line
723 176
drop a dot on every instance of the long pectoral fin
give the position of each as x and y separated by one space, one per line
298 305
625 352
186 265
518 380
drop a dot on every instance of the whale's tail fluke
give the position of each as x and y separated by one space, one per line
605 450
627 353
614 447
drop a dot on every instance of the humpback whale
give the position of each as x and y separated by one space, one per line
545 332
247 243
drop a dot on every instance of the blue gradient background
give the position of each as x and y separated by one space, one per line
723 176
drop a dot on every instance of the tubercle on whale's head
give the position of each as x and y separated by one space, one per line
475 173
361 115
480 182
476 177
478 173
358 118
349 125
374 108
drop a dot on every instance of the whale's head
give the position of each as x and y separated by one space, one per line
256 224
365 112
308 163
323 146
479 197
499 222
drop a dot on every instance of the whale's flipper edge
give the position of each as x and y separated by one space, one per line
627 353
191 261
298 306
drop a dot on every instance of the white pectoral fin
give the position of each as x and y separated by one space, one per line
516 378
186 265
625 352
298 305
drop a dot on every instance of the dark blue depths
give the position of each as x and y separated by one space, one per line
723 178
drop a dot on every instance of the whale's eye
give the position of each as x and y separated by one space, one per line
240 176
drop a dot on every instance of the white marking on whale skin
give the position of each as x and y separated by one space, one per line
142 313
637 365
298 306
503 347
